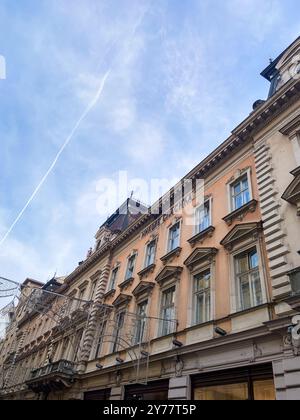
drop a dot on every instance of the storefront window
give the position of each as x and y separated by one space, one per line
264 390
234 392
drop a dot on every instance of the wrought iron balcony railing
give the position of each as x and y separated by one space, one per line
64 367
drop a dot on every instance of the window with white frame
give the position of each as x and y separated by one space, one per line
202 297
113 279
248 281
240 192
130 267
203 217
150 253
167 312
174 237
141 321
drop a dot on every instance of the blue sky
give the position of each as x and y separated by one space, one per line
183 73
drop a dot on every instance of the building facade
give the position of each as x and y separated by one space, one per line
196 300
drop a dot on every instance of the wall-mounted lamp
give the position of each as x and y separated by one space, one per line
220 331
119 360
144 353
177 343
98 366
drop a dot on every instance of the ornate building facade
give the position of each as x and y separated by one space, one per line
166 308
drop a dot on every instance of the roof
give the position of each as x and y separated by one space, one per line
269 71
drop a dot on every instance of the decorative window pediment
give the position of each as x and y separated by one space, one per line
168 273
292 193
292 128
241 212
144 287
122 299
200 256
240 233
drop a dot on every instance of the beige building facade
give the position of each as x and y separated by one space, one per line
197 300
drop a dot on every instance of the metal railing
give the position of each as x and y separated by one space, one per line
62 366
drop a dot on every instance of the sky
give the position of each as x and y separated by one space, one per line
175 77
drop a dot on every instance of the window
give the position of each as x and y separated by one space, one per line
295 280
240 193
119 326
113 279
202 306
174 237
150 254
203 219
93 290
80 298
141 322
100 339
167 312
130 267
248 281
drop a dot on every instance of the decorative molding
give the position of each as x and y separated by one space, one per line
202 236
241 232
122 299
167 273
292 193
292 128
146 271
126 283
171 255
241 213
144 287
109 294
200 255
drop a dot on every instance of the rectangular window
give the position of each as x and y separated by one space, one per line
141 322
295 280
118 331
248 282
203 219
79 302
202 297
130 267
174 237
113 279
93 290
100 339
150 254
240 193
167 315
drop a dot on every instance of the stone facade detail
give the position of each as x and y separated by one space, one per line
275 237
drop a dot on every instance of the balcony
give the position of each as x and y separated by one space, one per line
53 377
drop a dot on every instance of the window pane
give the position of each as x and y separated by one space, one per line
264 390
242 264
233 392
253 259
245 292
257 290
174 237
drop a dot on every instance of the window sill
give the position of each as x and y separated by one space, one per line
109 294
171 255
146 271
126 283
240 213
201 236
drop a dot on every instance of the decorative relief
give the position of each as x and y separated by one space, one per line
241 213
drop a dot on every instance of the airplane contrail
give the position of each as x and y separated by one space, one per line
83 116
67 141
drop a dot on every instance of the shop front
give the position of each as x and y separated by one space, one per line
247 383
154 391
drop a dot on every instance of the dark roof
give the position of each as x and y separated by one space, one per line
268 72
125 215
